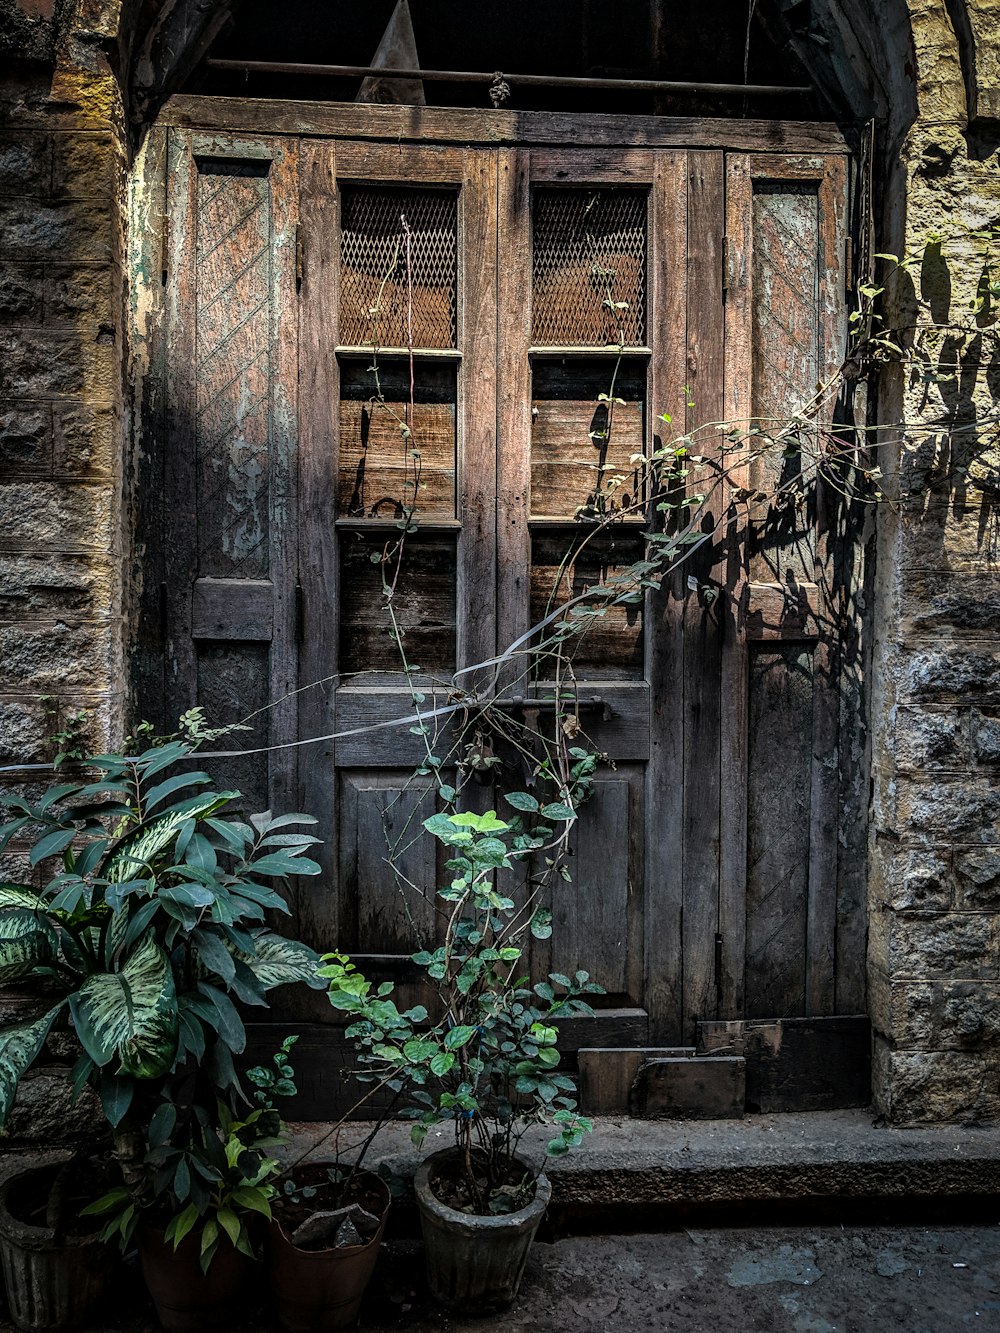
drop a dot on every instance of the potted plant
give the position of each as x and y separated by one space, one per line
56 1270
485 1061
140 944
327 1224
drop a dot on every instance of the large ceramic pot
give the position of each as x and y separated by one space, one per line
475 1264
54 1280
184 1296
315 1291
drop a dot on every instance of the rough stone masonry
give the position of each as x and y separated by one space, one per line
81 82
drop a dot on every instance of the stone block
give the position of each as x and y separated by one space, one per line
52 657
932 738
963 674
977 879
944 1015
83 165
962 538
935 602
25 438
946 809
916 879
83 437
15 866
957 945
985 736
50 584
937 1087
22 288
44 1109
72 230
81 293
37 364
24 732
25 164
71 514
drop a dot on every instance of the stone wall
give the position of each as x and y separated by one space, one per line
61 549
934 951
65 540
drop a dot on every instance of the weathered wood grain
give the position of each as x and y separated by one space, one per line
378 475
779 788
579 443
664 899
423 603
702 634
498 128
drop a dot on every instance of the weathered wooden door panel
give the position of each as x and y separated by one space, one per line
230 516
399 252
705 867
785 322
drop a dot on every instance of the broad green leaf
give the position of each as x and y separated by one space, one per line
213 954
276 961
27 941
283 863
558 811
457 1036
230 1224
541 923
144 844
442 1062
227 1022
21 895
131 1014
51 844
160 793
19 1047
522 800
252 1198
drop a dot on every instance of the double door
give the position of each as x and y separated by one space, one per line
390 363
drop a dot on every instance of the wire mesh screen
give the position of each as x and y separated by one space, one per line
398 268
589 267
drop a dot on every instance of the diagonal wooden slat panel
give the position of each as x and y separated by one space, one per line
233 353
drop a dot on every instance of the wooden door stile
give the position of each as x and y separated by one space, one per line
319 434
702 614
664 906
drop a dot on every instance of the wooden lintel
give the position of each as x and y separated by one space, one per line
398 124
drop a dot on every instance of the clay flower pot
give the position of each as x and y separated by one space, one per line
318 1290
475 1264
53 1281
184 1296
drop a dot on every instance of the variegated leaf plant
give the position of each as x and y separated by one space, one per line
152 925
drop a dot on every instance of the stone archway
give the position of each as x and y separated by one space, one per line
76 396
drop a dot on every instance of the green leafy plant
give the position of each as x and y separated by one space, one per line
151 926
486 1060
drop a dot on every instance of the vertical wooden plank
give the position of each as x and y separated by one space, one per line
513 406
149 229
702 619
181 510
284 446
319 404
821 938
477 410
738 408
779 764
664 893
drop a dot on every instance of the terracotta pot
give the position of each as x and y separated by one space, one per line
53 1281
475 1264
184 1296
318 1290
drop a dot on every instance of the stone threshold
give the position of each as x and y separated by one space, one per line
633 1174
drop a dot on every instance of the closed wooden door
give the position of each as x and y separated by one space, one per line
506 291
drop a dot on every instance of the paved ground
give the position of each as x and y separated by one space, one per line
826 1279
